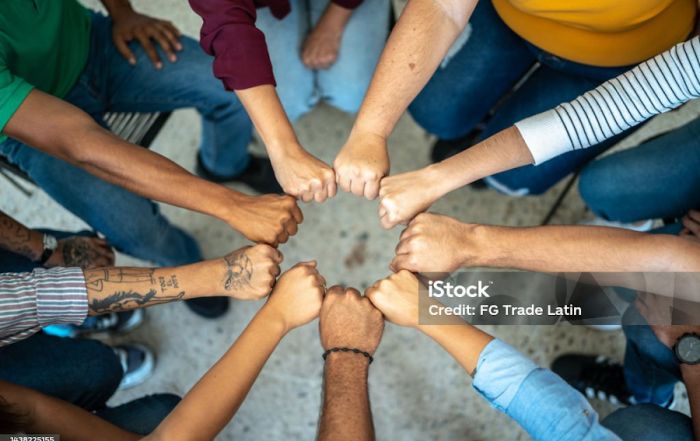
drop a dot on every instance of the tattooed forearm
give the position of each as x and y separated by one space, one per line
97 278
17 238
126 300
78 251
239 271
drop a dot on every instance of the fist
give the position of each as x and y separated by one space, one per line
83 252
321 47
434 243
250 273
403 196
303 176
297 297
349 320
269 218
397 298
361 164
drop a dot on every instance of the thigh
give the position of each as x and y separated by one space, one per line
344 84
659 178
648 422
460 94
295 82
83 372
142 415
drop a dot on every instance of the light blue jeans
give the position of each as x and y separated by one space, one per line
131 223
344 84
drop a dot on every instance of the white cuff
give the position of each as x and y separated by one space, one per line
545 136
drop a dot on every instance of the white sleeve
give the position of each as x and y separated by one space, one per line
656 86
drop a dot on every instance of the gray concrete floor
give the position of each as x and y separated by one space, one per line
418 392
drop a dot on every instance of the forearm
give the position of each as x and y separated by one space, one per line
581 248
691 378
17 238
123 288
115 8
214 400
346 413
419 41
462 341
335 17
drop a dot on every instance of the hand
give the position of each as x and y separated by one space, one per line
82 252
691 225
303 176
403 196
436 243
397 298
320 49
250 272
129 25
269 218
656 309
297 297
361 164
349 320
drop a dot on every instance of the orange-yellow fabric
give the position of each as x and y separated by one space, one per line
600 32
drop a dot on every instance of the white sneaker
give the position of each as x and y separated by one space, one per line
641 226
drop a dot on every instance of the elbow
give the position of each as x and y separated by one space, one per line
75 141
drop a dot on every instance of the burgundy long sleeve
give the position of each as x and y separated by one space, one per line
241 59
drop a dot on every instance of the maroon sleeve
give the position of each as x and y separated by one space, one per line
348 4
229 34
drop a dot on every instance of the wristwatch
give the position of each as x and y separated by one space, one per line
50 245
687 348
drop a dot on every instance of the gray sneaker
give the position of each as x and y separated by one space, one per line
138 363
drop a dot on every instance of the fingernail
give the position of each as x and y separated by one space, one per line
132 61
173 58
159 65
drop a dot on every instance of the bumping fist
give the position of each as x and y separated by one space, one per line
435 243
297 297
303 176
404 196
397 298
269 218
250 272
361 164
349 320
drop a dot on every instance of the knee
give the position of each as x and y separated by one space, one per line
103 374
162 404
596 186
438 114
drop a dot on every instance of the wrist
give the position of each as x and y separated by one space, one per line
476 246
334 20
226 204
690 373
349 361
274 320
362 129
119 9
35 246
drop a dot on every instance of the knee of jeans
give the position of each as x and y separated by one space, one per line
595 187
438 118
106 371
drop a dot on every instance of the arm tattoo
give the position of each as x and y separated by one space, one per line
126 300
78 251
239 271
15 237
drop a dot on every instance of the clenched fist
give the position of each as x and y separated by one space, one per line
302 175
297 297
269 218
437 243
349 320
250 272
397 298
404 196
361 164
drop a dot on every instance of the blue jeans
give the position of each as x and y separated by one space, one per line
660 178
132 224
343 85
647 422
461 94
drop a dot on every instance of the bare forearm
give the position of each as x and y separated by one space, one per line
462 341
117 7
691 378
335 17
416 46
346 414
215 399
19 239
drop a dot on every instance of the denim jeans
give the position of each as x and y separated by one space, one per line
344 84
660 178
142 415
647 422
131 223
460 95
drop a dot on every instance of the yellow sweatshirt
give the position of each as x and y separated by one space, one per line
600 32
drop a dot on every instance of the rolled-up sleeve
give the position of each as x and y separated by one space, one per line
228 33
31 301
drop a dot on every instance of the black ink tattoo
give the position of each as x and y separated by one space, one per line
126 300
15 237
78 251
239 271
95 279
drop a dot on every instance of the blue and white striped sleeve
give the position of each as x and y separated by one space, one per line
653 87
31 301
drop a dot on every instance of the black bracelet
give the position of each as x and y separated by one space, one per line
356 351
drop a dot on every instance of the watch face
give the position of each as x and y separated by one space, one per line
688 349
50 242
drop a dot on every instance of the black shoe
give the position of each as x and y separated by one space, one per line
259 175
209 307
595 377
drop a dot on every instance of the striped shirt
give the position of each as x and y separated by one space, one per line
653 87
30 301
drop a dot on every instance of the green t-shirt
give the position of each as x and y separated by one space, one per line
43 44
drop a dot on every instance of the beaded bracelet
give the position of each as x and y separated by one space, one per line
354 350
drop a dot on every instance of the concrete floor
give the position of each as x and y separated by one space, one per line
418 392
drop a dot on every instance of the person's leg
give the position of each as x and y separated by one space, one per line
344 84
295 82
83 372
648 422
651 369
460 94
142 415
659 178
